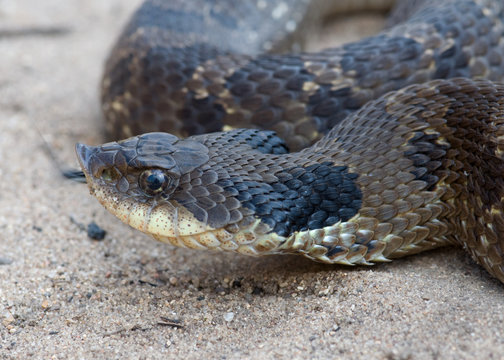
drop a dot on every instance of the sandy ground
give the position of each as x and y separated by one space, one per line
63 295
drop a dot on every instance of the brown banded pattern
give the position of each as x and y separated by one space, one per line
180 67
385 160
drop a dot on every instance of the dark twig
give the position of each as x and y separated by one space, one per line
34 31
170 322
124 329
68 173
74 175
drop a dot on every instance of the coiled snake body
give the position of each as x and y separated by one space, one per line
396 141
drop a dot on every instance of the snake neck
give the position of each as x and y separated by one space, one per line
250 176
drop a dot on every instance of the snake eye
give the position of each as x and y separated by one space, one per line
154 181
109 175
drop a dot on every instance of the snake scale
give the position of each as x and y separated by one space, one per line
362 153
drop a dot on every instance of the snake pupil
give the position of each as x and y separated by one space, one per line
153 181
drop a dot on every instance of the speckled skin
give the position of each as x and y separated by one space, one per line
192 67
412 170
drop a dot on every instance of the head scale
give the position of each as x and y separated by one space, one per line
134 164
134 179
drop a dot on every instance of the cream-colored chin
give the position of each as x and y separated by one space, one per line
172 223
164 220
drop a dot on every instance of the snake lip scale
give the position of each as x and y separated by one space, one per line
378 149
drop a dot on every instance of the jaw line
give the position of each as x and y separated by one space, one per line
149 213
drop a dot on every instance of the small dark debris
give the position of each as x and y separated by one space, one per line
176 323
53 332
123 329
5 261
140 281
200 298
236 283
95 232
257 290
74 175
17 107
37 228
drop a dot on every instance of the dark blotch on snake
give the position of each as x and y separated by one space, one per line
306 198
266 142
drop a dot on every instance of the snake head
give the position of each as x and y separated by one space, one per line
135 180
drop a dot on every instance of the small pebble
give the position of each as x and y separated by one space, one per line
8 318
95 232
45 304
220 290
334 330
325 292
229 316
